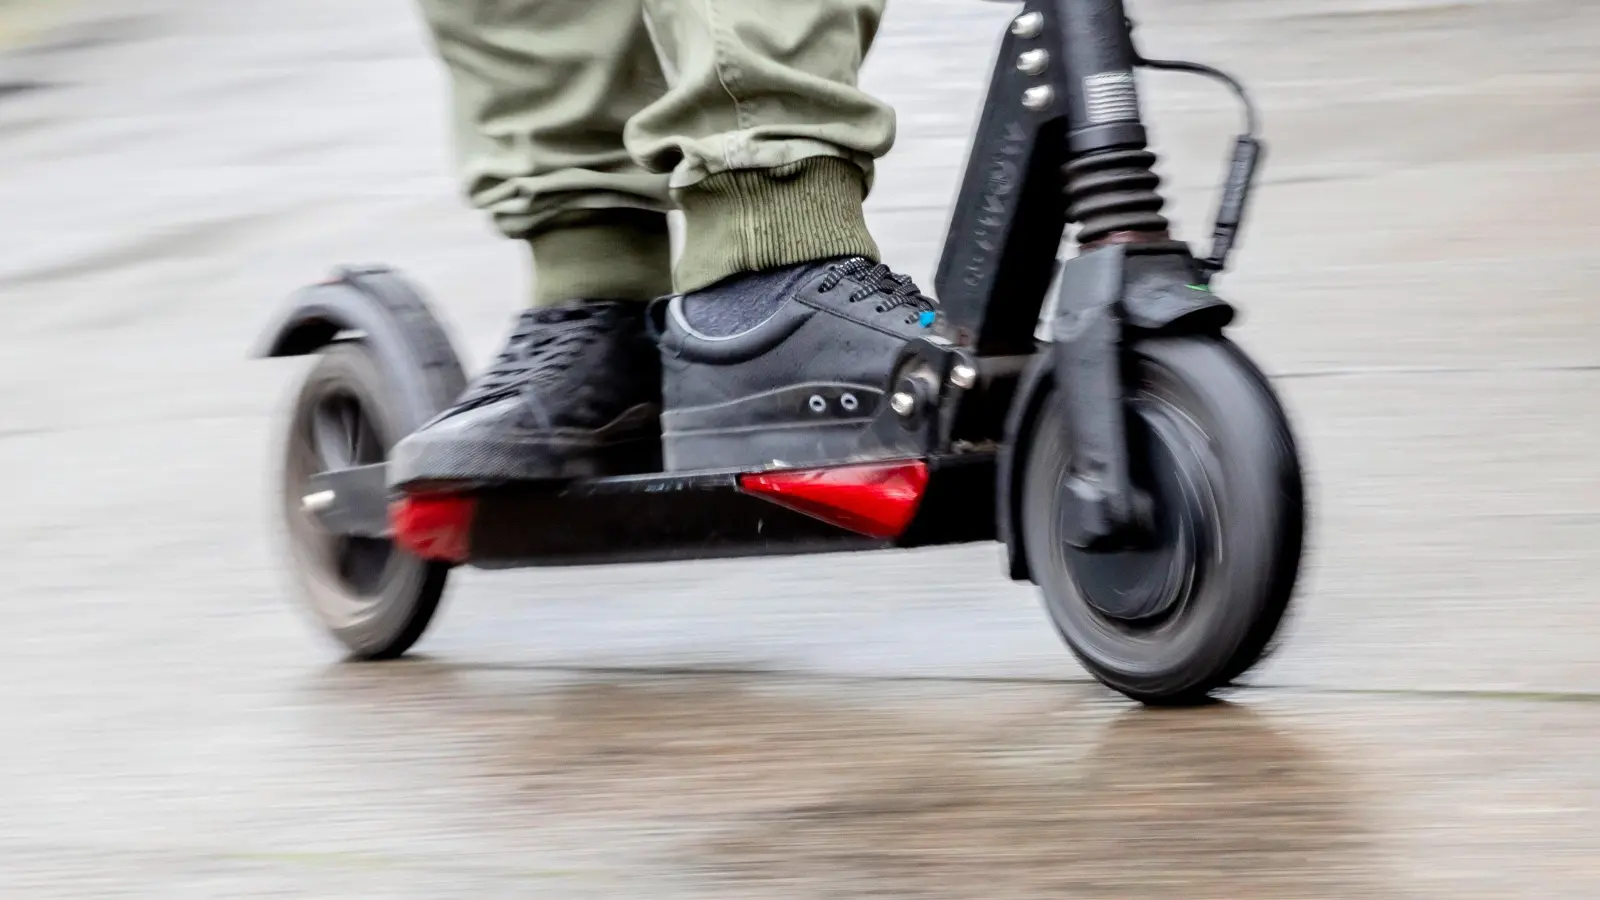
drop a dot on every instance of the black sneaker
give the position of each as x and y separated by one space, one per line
575 393
800 387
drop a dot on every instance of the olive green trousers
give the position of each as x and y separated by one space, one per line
580 123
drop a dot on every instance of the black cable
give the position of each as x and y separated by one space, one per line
1251 121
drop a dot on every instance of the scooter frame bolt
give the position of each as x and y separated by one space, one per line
1038 97
902 403
963 376
1032 62
1028 25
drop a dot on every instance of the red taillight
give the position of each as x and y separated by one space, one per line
434 526
877 500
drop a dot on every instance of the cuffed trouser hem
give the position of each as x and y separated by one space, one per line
749 220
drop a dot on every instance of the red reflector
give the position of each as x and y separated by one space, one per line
434 526
877 500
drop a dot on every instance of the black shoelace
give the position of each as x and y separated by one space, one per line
898 291
543 344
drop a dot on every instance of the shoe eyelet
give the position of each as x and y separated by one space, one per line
817 404
849 402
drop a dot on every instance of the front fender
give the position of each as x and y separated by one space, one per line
1149 289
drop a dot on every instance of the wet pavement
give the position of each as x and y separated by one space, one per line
1418 278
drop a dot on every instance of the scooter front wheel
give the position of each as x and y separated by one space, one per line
1196 604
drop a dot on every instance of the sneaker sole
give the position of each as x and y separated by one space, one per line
628 445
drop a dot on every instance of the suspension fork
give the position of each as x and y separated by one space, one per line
1112 190
1061 141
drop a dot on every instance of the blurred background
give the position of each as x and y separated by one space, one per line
1418 277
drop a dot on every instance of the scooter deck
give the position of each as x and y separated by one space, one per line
673 516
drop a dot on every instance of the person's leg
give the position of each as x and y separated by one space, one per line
541 91
769 142
780 346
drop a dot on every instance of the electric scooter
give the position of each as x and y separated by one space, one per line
1134 463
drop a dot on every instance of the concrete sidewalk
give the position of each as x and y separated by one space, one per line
1419 276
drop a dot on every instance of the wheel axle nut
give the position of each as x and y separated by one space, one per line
1038 97
317 502
963 376
902 403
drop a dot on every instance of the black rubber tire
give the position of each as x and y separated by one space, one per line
373 621
1235 433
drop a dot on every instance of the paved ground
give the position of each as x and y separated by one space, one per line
1419 279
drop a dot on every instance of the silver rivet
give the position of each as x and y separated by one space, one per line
963 376
816 403
902 403
1038 96
1032 62
849 402
317 502
1027 25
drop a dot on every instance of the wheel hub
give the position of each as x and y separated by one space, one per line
1151 579
336 433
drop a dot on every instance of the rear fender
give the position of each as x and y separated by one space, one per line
376 307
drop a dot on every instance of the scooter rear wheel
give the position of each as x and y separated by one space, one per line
371 596
1200 602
